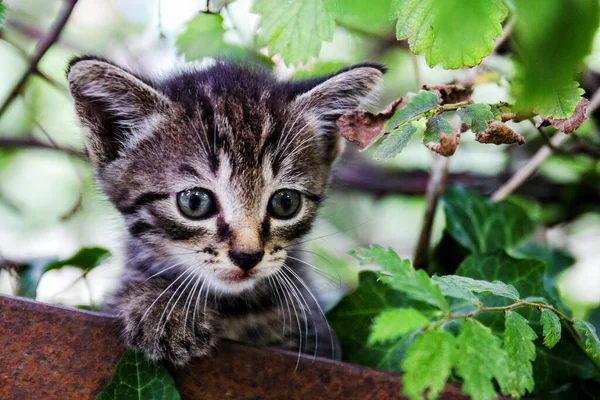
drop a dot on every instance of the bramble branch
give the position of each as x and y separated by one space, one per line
19 143
42 47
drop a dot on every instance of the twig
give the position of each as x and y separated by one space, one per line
526 171
42 47
435 187
15 143
538 158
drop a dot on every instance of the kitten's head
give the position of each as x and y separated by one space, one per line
216 171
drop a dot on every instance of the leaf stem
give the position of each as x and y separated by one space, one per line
455 106
567 322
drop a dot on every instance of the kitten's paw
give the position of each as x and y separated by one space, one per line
172 335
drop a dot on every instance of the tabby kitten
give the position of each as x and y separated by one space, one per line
218 173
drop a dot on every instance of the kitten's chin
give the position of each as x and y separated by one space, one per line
235 282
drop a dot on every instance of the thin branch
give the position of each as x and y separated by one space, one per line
435 187
538 158
17 143
42 47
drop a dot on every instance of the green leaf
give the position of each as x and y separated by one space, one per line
363 16
552 368
203 37
594 318
395 323
480 360
30 274
552 32
592 342
450 289
428 363
1 12
455 33
396 141
319 69
418 104
296 29
478 286
552 327
520 350
476 116
556 260
136 377
435 125
400 275
483 226
561 103
351 319
86 259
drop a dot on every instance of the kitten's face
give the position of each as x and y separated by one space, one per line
217 172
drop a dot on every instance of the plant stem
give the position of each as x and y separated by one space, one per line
455 106
567 322
42 47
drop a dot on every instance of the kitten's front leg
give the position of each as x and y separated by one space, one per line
163 322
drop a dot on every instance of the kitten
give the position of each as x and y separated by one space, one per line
218 173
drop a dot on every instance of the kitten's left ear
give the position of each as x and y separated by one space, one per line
327 99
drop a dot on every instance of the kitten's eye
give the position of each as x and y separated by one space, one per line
284 204
196 203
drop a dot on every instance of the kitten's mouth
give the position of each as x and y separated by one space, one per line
238 276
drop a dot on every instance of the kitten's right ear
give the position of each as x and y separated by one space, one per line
110 102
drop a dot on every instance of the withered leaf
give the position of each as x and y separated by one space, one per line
499 133
451 94
361 127
447 145
568 125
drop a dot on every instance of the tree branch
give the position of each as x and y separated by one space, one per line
42 47
538 158
435 187
18 143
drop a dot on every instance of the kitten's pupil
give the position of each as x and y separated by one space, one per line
194 202
286 201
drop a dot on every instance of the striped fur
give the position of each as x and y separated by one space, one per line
242 135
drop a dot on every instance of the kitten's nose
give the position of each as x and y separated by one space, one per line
244 260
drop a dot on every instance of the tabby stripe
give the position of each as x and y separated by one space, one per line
142 200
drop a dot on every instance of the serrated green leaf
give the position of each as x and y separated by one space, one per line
455 33
592 342
552 327
296 29
351 319
520 350
477 286
388 259
363 16
483 226
435 125
450 289
418 104
551 32
395 323
552 368
476 116
136 377
86 259
396 141
561 103
400 275
481 360
428 363
203 37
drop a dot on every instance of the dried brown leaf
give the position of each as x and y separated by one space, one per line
568 125
447 145
361 127
499 133
451 94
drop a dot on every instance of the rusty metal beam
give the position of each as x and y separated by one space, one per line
50 352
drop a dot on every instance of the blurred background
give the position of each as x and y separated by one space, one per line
50 208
